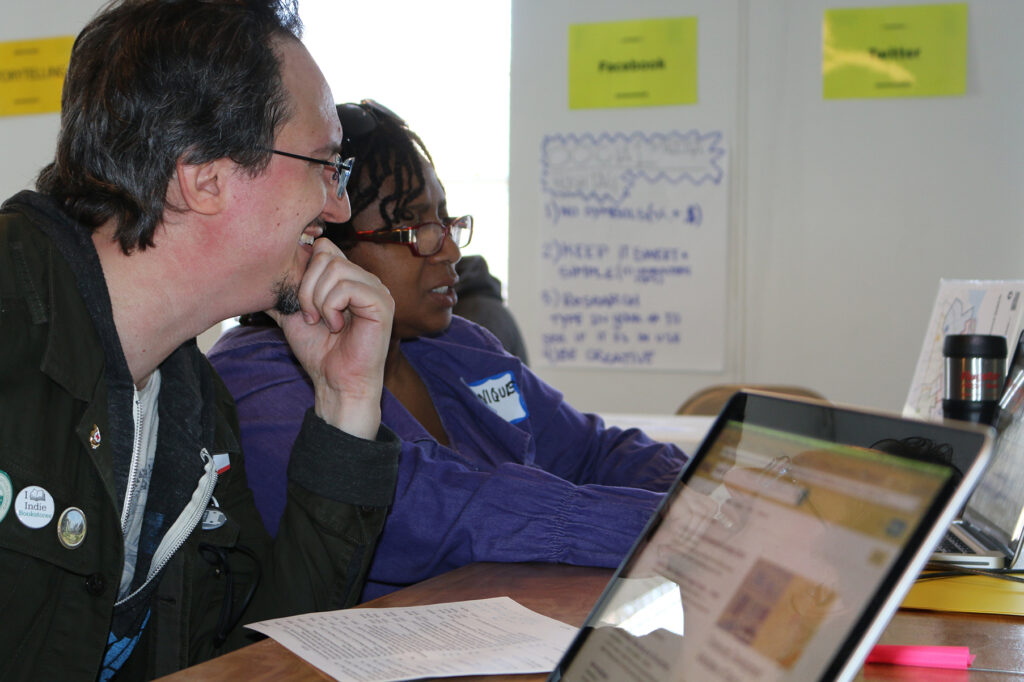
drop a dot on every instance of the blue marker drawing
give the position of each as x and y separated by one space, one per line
606 166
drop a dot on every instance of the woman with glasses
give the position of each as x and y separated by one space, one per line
495 465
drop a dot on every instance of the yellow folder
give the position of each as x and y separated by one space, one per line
970 593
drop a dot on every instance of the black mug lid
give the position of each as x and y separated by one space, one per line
974 346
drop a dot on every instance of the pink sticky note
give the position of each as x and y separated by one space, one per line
958 657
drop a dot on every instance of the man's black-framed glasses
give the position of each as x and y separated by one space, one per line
424 239
342 168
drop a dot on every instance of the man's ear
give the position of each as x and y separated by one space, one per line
204 186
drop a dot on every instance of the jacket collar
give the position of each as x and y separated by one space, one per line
68 358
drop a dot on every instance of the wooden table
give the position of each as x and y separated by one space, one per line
568 592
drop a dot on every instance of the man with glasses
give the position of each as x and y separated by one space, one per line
189 185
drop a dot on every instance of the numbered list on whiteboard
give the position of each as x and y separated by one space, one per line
634 250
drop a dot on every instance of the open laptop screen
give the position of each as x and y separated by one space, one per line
779 551
997 504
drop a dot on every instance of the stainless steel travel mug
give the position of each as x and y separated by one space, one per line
975 370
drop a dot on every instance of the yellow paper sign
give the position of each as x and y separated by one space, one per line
907 51
32 75
642 63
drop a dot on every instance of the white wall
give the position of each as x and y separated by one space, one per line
843 214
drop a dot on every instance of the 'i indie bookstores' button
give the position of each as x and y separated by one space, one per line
34 506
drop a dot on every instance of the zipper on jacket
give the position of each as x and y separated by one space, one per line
183 526
133 471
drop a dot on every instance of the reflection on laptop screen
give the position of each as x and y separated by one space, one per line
771 559
997 505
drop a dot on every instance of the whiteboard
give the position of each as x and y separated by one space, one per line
633 249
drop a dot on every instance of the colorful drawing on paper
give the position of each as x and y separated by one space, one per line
961 307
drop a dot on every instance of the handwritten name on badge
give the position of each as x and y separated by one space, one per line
501 394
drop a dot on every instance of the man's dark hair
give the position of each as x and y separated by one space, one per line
384 147
152 81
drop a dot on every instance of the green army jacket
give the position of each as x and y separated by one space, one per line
64 430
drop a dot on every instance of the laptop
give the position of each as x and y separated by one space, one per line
988 533
784 547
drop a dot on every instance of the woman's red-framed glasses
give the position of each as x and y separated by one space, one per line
424 239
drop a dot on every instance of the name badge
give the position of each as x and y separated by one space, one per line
501 394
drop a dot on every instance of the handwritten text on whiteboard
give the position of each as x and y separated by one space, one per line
633 250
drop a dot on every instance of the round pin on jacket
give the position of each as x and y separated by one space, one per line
6 494
71 527
213 518
34 506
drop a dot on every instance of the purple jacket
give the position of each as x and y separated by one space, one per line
528 478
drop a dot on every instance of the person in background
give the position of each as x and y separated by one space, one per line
495 464
196 164
479 300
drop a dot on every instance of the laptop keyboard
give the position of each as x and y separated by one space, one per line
954 545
